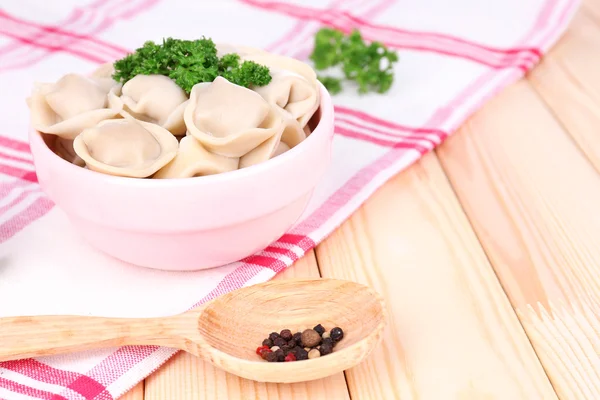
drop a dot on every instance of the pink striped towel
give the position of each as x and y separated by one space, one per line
453 56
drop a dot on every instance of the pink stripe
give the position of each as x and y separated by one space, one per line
284 252
381 142
271 263
41 372
22 196
75 15
33 57
18 173
388 124
28 391
7 187
35 210
90 57
14 144
396 134
15 158
54 30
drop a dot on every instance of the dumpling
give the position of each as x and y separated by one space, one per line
194 160
225 48
70 105
126 147
290 136
293 86
229 119
292 93
152 98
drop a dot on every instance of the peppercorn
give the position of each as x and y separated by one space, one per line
267 342
325 335
280 342
337 334
260 349
301 354
298 337
270 357
319 329
274 348
325 349
330 341
310 338
314 353
290 357
273 336
286 334
292 343
286 349
264 353
280 355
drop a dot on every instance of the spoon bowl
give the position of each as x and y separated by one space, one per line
226 331
235 324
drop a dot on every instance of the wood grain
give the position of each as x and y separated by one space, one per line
186 377
569 83
137 393
533 198
453 333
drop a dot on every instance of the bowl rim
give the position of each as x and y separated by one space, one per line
327 114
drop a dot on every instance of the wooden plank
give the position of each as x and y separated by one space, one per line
187 378
137 393
568 81
452 333
533 198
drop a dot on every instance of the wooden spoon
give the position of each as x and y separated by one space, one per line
225 331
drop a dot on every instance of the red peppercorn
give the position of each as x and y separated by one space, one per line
290 357
260 349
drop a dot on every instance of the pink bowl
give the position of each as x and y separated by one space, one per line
191 223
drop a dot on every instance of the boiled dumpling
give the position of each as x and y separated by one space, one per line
225 48
228 119
293 87
194 160
70 105
152 98
292 93
126 147
290 136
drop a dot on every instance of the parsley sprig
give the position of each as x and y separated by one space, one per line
188 62
369 65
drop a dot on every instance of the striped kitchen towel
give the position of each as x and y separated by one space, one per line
453 56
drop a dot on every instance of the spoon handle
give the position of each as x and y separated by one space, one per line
25 337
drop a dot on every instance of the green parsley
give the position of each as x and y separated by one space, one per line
333 85
188 62
369 65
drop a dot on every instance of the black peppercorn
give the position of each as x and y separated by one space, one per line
337 334
280 342
292 343
301 354
267 342
286 334
271 357
280 355
330 341
298 337
273 336
319 328
325 349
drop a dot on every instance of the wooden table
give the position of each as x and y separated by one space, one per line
487 251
